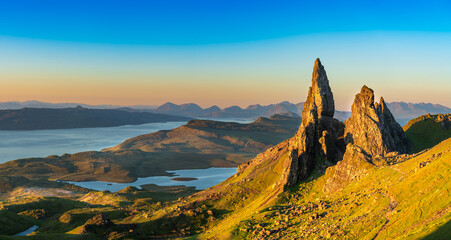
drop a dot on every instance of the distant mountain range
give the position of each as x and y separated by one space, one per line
39 104
252 111
79 117
402 111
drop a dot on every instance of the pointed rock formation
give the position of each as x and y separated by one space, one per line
372 127
320 100
318 135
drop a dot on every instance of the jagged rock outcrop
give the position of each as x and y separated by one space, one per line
319 134
370 131
372 127
354 165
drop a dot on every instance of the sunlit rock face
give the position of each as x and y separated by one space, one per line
319 134
372 127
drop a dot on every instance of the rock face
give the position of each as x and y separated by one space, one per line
355 164
318 136
372 127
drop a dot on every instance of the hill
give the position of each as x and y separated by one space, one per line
428 130
216 137
78 117
197 144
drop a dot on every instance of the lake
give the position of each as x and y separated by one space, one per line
42 143
28 231
205 179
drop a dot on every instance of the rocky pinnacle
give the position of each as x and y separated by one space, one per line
372 127
371 130
318 134
320 100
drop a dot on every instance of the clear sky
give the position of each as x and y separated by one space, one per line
218 52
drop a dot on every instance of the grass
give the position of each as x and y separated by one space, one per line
402 201
426 131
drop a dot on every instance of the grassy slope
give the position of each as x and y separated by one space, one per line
19 214
64 217
233 200
427 131
401 201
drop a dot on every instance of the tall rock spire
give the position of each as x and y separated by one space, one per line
320 100
372 127
318 134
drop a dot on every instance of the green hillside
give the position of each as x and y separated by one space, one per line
409 200
428 130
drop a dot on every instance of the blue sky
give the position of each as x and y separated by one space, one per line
222 52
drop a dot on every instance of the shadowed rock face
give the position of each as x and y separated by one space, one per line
318 135
372 127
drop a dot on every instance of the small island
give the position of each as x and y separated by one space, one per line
184 179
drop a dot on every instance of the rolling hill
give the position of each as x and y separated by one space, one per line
428 130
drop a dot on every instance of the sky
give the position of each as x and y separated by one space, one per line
215 52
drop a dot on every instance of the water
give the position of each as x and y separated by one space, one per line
28 231
42 143
205 179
